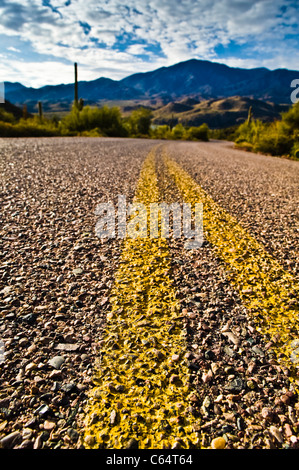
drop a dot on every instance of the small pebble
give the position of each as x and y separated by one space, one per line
11 440
90 440
276 433
218 443
56 361
49 425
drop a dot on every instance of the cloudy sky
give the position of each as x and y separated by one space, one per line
41 39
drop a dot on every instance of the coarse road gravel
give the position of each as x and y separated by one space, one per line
56 277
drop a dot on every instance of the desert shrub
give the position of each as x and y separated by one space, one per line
6 116
198 133
161 132
245 146
274 139
7 130
295 151
140 122
93 133
178 132
226 133
28 128
107 120
291 117
249 132
278 138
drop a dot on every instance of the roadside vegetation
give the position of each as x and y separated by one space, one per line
97 122
278 138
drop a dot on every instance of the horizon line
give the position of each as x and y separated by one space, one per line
151 71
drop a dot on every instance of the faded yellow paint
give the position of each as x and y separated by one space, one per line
142 376
268 291
142 390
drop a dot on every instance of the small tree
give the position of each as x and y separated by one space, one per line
161 132
140 121
198 133
178 132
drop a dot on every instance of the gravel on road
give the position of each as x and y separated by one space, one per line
261 192
56 278
242 395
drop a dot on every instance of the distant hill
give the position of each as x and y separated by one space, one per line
62 96
201 79
217 113
181 87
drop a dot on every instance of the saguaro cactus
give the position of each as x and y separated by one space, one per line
249 115
76 85
25 111
80 104
40 110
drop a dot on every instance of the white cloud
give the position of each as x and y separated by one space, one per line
31 73
136 49
13 49
176 30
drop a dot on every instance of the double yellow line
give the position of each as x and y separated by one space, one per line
141 397
143 392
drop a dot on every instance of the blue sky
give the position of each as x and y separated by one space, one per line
41 39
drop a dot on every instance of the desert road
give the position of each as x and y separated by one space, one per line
127 342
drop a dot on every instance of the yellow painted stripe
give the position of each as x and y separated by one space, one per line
266 289
142 376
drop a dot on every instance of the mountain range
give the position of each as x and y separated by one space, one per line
216 113
199 80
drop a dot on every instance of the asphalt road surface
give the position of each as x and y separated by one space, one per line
117 343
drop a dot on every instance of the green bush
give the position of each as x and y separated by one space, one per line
7 130
278 138
161 132
198 133
274 139
5 116
245 146
108 120
295 150
178 132
28 128
291 117
98 122
140 122
93 133
227 133
249 132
